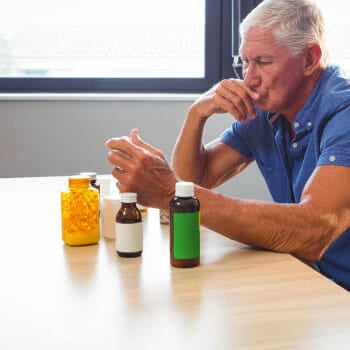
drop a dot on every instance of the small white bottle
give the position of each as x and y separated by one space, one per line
111 205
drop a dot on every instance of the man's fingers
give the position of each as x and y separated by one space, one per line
241 96
127 153
117 159
117 143
122 146
136 140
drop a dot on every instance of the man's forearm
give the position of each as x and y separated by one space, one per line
188 158
286 228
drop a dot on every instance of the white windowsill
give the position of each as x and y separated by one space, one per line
96 97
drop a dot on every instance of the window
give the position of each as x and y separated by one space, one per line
336 15
114 45
131 46
240 8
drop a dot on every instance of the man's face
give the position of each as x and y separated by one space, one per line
272 72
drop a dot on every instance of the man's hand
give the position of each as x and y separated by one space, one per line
143 169
228 96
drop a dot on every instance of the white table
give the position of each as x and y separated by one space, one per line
57 297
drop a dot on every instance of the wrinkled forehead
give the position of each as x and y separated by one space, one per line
259 41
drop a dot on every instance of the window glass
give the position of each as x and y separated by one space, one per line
336 15
102 38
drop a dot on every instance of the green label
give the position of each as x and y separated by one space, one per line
186 235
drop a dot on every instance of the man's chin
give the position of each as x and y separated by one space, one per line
264 106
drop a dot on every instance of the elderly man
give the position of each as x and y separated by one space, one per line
292 112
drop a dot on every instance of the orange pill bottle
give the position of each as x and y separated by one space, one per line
80 212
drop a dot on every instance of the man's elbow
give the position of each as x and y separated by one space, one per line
324 236
311 255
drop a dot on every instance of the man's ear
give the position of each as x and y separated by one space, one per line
313 55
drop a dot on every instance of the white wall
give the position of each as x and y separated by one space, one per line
64 137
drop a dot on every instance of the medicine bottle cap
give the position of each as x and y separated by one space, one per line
91 174
184 189
78 181
128 197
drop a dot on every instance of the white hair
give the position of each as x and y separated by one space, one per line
295 24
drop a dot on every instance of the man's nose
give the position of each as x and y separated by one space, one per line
251 75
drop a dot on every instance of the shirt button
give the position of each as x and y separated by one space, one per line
295 144
332 158
309 124
296 124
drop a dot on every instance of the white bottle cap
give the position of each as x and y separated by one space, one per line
128 197
184 189
91 174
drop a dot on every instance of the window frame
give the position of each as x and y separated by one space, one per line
221 19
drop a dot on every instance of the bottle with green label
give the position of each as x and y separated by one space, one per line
184 226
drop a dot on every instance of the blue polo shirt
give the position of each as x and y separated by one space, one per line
322 136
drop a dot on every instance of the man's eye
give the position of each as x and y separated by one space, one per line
258 61
263 62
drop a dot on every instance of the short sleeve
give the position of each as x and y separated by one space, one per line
335 140
234 137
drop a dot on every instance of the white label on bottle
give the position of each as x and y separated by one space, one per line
128 237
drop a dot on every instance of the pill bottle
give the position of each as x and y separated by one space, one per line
184 227
128 228
80 212
111 205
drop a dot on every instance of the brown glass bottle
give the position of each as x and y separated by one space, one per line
128 229
184 227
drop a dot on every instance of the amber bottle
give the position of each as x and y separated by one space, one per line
128 229
184 227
